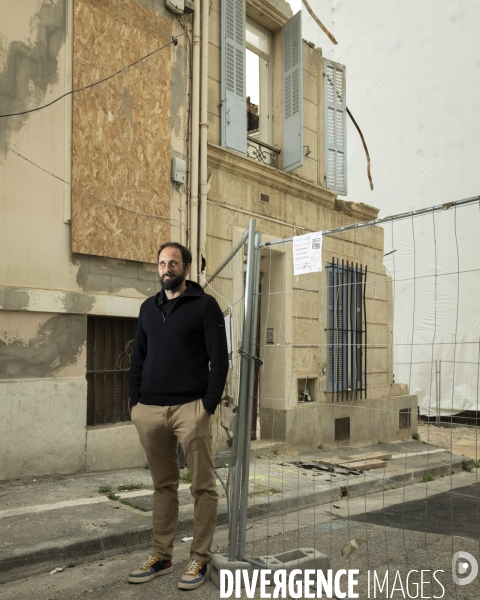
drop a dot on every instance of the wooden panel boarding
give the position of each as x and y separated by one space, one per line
121 130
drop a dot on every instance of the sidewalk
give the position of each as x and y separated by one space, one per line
55 521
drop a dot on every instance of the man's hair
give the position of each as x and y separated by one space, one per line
186 254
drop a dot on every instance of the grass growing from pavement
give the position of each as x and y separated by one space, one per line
113 497
185 476
104 489
416 436
133 505
428 477
466 464
130 487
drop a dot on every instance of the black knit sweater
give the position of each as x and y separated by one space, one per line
180 357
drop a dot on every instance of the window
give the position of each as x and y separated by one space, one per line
342 429
246 102
109 348
258 82
346 330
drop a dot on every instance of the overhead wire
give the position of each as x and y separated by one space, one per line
174 41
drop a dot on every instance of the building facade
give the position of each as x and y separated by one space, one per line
81 225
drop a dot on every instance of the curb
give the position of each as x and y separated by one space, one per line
46 556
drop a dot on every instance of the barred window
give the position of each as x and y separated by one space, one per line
346 330
109 348
404 418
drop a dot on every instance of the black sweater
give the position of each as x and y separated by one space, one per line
171 356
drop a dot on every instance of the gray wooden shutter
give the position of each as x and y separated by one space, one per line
292 94
335 128
234 107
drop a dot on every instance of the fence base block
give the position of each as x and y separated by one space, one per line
299 558
220 562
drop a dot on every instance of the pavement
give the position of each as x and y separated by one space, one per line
66 521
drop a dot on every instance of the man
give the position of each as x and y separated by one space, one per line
173 394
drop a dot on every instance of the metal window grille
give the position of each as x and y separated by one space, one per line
404 418
109 348
346 330
342 429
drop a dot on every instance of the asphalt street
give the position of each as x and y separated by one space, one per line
403 530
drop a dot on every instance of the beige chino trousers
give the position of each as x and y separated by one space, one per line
160 428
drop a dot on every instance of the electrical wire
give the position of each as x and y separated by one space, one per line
84 190
174 41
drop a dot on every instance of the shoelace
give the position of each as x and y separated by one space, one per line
193 567
147 563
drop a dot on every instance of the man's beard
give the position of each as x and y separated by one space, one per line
172 282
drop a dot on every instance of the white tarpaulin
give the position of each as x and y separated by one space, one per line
413 86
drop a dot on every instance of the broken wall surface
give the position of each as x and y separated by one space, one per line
48 292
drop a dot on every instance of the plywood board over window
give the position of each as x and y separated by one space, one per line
121 130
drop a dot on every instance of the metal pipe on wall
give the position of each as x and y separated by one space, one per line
193 241
204 186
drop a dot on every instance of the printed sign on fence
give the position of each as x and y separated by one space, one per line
307 253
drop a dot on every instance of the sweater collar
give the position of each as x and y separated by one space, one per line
193 289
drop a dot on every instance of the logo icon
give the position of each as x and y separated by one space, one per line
462 567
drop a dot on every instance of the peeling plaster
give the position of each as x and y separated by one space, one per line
76 302
14 299
57 344
112 275
31 69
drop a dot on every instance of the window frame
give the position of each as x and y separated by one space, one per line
346 334
107 382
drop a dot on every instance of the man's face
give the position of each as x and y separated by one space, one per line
171 269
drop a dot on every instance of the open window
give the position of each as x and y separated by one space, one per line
246 87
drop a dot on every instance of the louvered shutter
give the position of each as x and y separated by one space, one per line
335 128
292 94
234 107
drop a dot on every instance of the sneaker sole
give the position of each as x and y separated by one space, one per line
190 586
149 577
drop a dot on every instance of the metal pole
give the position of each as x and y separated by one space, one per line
436 393
242 532
439 389
242 393
399 217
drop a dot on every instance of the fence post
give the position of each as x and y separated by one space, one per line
439 388
242 392
242 530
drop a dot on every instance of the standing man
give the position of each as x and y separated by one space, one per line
177 376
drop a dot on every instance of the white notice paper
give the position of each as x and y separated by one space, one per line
307 253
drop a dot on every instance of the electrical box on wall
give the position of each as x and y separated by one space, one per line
176 6
179 170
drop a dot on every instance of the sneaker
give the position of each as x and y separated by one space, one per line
152 567
193 576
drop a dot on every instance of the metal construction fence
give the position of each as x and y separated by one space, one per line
330 373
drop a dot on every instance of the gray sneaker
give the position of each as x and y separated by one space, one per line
193 576
152 567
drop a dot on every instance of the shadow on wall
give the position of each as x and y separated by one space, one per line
32 68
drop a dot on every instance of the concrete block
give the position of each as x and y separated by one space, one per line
299 558
220 562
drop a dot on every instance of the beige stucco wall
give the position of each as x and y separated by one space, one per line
46 291
37 263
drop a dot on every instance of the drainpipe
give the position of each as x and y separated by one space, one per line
194 141
204 183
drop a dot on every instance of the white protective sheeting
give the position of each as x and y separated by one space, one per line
413 85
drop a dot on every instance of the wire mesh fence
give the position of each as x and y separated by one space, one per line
343 366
